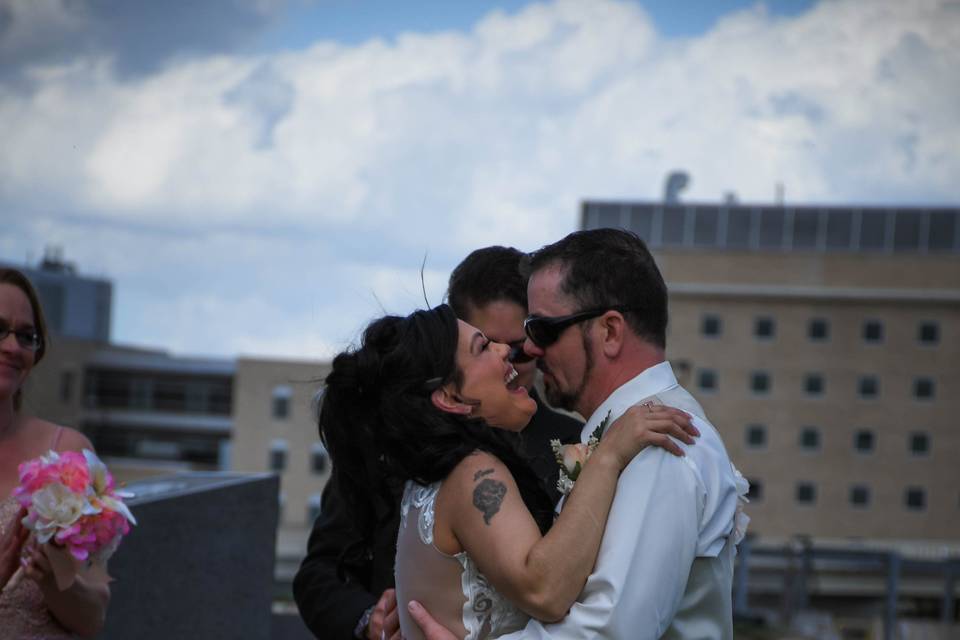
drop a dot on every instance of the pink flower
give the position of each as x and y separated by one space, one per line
73 471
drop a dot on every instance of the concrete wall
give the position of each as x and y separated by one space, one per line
199 564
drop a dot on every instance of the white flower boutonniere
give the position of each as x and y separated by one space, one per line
573 457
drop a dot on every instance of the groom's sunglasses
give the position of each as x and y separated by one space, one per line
543 331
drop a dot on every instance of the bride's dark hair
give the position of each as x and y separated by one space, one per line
381 428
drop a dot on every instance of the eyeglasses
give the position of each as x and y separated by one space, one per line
543 331
26 338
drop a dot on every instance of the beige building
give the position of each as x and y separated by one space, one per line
275 429
146 412
825 346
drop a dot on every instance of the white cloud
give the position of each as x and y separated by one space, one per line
331 171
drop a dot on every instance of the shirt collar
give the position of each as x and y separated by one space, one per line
649 382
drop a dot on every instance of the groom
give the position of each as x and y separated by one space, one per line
597 325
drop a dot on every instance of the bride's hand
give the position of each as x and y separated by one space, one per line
647 425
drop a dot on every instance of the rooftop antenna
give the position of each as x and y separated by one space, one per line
676 182
780 194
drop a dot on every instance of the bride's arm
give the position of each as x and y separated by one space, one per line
543 575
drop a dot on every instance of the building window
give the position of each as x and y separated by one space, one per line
818 330
928 333
873 228
873 331
806 493
923 388
863 441
805 228
868 387
318 458
141 393
771 228
839 228
711 326
755 493
919 443
915 498
313 507
860 495
278 455
810 439
66 386
813 384
764 328
707 380
756 436
760 382
280 406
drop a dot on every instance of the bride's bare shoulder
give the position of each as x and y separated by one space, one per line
475 466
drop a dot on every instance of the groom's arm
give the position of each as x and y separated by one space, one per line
648 548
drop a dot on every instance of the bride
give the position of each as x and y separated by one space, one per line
478 544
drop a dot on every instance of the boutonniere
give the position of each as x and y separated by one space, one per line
573 457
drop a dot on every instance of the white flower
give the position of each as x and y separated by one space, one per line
573 457
564 485
98 472
56 507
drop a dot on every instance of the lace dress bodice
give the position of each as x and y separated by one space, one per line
23 614
450 587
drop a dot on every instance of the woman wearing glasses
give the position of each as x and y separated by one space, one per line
477 543
34 607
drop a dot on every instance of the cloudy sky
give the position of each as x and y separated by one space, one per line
264 176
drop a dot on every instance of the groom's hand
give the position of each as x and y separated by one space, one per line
384 621
432 630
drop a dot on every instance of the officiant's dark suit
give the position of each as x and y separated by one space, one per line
345 571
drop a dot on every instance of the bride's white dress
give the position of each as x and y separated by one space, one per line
451 587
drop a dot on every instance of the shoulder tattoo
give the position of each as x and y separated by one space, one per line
480 474
488 496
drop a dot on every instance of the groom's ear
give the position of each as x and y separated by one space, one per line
445 400
613 327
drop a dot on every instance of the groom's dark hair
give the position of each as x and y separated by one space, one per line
605 268
487 275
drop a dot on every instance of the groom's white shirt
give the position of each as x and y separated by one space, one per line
665 567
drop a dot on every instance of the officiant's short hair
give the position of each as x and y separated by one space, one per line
605 268
487 275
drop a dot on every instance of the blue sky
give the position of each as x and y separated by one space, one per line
248 164
354 21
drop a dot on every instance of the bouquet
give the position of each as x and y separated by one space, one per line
70 499
572 457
